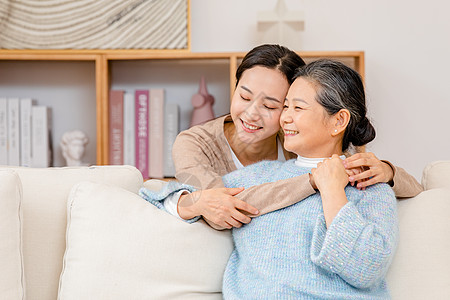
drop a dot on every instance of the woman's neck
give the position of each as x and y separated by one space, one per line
249 153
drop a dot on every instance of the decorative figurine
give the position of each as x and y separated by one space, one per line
73 144
202 103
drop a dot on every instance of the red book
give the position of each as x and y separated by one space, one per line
142 126
116 127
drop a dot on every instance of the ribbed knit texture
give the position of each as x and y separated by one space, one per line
290 254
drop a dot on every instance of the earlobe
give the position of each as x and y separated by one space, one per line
342 118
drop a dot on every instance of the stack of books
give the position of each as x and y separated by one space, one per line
25 133
142 130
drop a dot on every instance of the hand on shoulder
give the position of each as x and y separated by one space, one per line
367 170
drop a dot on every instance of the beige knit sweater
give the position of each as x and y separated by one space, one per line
201 157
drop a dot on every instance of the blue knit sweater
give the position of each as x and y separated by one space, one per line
290 254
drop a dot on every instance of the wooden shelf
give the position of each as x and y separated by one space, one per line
104 58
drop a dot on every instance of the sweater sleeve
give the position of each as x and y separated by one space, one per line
159 198
286 192
360 242
404 184
261 188
196 163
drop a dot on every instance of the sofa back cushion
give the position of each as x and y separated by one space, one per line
121 247
11 270
44 205
420 269
436 175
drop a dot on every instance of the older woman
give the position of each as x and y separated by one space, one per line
337 243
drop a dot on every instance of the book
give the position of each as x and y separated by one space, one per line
3 131
116 127
171 129
156 140
41 142
13 132
25 131
129 139
141 124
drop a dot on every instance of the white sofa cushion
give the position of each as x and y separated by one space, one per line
44 206
421 265
11 273
121 247
436 175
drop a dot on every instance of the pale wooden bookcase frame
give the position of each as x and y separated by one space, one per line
104 58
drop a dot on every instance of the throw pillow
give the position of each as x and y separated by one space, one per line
121 247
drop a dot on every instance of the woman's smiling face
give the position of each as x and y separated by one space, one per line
257 103
307 127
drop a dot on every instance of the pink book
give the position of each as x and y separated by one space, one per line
116 127
142 126
156 140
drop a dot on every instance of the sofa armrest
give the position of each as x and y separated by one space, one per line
436 175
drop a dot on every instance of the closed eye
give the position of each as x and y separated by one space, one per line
245 99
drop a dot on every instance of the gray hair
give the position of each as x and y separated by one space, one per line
340 87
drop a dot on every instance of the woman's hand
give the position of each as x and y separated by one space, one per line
331 179
330 175
217 206
373 170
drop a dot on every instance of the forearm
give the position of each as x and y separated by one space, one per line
332 202
404 184
272 196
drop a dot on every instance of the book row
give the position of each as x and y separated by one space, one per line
142 130
25 133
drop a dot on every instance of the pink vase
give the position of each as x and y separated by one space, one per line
202 103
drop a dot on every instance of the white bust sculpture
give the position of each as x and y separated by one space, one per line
73 144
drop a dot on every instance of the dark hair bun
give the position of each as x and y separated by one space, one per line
364 133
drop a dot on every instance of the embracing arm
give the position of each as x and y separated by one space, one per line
201 165
271 196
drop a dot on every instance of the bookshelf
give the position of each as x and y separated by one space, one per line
178 71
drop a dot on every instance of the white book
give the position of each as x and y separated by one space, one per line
129 138
3 131
171 129
13 132
25 131
41 137
156 140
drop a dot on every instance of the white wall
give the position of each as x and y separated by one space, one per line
407 47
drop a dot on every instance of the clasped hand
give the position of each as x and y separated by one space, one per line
364 169
218 206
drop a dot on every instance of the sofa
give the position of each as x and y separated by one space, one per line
84 233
